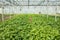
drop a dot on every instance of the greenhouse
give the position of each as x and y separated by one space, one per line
29 19
30 6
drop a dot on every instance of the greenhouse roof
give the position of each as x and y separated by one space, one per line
31 2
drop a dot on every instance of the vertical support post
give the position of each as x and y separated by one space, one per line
47 9
55 13
9 12
13 10
28 3
3 15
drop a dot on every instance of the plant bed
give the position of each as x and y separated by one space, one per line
30 27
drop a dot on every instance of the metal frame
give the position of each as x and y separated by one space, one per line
28 1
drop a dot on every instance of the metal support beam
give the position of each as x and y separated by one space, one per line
28 3
47 10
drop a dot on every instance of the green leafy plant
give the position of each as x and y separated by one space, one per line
30 27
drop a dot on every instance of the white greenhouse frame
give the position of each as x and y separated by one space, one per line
28 3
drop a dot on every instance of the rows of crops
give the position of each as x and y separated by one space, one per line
30 27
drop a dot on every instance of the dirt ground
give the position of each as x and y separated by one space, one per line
5 17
